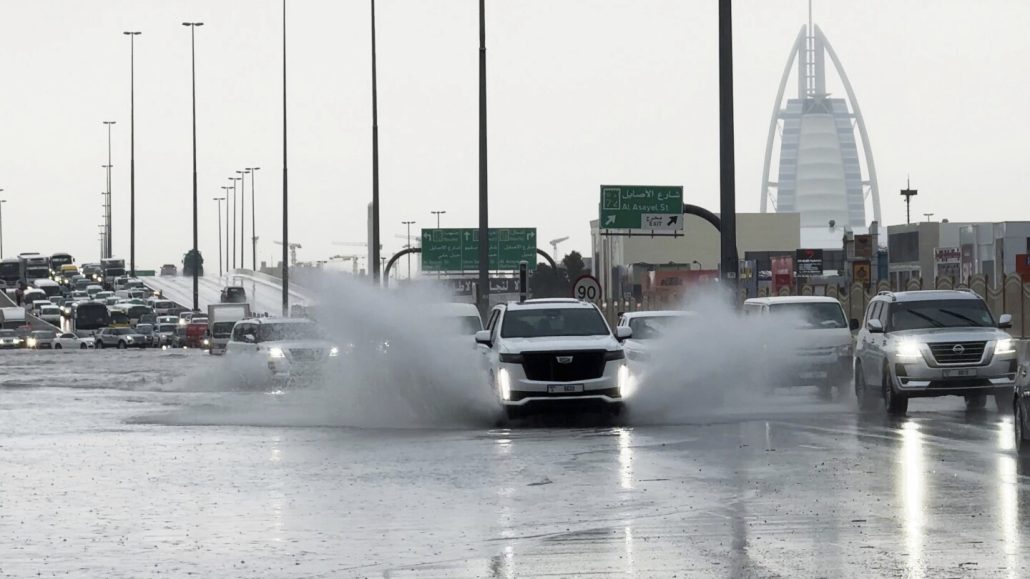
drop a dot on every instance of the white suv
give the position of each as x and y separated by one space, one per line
281 348
551 352
933 343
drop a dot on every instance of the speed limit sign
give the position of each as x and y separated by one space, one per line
586 288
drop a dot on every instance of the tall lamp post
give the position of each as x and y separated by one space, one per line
253 221
286 205
226 188
409 224
234 197
219 200
2 201
109 166
132 34
438 214
483 297
243 215
375 157
193 74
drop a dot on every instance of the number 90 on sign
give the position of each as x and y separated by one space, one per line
587 289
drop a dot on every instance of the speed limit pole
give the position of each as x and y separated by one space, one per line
586 288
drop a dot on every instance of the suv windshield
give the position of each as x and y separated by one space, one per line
283 332
814 315
940 314
538 323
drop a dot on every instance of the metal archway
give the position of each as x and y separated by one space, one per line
396 256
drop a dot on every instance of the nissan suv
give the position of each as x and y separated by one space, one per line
281 349
933 343
551 352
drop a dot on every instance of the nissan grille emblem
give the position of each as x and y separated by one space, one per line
564 359
958 348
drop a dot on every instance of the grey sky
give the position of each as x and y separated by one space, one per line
581 92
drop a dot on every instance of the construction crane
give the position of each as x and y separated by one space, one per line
554 246
352 258
293 251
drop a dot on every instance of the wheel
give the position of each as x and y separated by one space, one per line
81 346
121 345
866 401
976 402
1017 429
897 404
58 347
100 344
1004 402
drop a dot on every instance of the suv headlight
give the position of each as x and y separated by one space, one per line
625 385
1005 346
504 384
32 342
844 350
908 349
276 353
334 352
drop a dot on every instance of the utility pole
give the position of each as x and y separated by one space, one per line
253 221
108 166
375 157
132 150
193 75
235 196
727 167
409 224
286 205
483 287
225 188
219 200
2 201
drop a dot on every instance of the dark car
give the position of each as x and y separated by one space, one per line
234 295
169 269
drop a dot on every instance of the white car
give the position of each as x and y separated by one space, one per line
554 352
282 349
815 347
69 341
50 314
648 328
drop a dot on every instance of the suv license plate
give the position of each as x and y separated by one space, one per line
564 388
959 373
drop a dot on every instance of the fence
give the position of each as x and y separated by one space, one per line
1010 296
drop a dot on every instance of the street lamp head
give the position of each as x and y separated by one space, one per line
131 33
109 122
194 24
248 168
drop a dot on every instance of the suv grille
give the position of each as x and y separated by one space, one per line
958 352
305 354
544 366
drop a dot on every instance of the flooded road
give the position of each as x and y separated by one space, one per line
113 465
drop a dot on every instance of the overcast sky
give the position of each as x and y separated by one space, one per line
581 92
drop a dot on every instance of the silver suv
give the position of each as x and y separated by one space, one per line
933 343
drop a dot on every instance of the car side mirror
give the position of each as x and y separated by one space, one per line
874 326
1005 321
854 325
623 333
483 337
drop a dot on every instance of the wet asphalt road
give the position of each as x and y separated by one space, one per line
102 474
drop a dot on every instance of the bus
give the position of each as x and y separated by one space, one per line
57 261
90 316
10 271
34 266
111 268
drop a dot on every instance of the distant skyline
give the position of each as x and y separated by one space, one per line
580 93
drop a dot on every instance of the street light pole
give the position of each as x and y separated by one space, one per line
109 166
438 214
234 198
483 293
2 201
243 215
409 224
193 74
727 175
286 205
132 150
219 200
253 221
226 188
375 156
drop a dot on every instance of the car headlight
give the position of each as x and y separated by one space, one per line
128 339
207 342
276 353
1005 346
626 386
908 349
334 352
504 384
32 342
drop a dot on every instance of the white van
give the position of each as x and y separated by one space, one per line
815 346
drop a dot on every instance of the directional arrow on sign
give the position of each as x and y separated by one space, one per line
673 220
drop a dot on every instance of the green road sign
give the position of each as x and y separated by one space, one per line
458 249
641 207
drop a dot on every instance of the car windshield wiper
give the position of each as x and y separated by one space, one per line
971 321
935 323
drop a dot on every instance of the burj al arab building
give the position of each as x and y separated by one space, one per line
825 172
